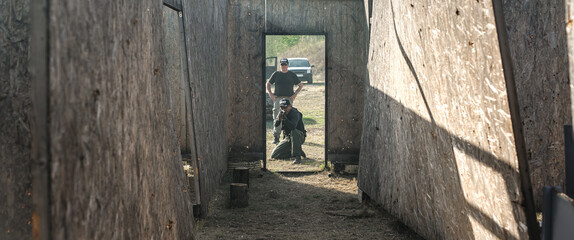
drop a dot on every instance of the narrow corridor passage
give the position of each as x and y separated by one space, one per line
299 206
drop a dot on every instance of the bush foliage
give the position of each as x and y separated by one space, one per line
279 44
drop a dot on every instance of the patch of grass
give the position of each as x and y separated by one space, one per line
309 163
292 206
279 206
309 121
314 117
283 206
199 225
256 209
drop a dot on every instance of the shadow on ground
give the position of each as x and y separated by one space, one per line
299 206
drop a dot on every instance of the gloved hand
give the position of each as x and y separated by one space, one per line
280 117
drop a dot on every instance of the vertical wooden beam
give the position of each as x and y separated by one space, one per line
569 160
39 71
526 186
190 137
191 126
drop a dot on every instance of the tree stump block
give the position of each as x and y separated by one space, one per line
239 195
241 175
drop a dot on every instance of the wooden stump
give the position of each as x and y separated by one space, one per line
239 195
241 175
197 211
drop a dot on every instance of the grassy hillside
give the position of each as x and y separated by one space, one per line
311 47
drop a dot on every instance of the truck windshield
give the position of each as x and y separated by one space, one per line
298 63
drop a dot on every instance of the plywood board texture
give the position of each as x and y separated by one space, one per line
15 135
246 98
115 164
438 149
177 74
569 19
345 28
206 41
107 134
537 31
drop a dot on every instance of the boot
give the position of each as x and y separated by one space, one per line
275 140
297 160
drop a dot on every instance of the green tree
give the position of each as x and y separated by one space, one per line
280 43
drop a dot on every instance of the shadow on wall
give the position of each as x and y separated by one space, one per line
444 180
538 45
430 175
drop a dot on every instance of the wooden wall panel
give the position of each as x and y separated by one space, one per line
438 148
346 75
177 75
345 28
293 16
206 35
116 170
569 6
246 87
537 33
15 135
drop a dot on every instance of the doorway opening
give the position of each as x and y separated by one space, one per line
307 59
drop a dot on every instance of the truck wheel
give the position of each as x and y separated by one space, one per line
310 80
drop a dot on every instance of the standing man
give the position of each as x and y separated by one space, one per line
293 128
284 81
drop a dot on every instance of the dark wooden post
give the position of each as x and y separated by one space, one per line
241 175
239 195
569 160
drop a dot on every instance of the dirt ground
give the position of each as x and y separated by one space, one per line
300 201
299 206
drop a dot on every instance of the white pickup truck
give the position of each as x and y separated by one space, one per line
302 68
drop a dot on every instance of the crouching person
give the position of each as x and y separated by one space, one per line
291 121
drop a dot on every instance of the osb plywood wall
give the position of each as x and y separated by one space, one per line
245 94
438 148
569 19
570 42
177 74
206 41
537 33
114 151
107 132
15 136
345 27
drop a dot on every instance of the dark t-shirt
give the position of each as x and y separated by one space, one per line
284 83
293 120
